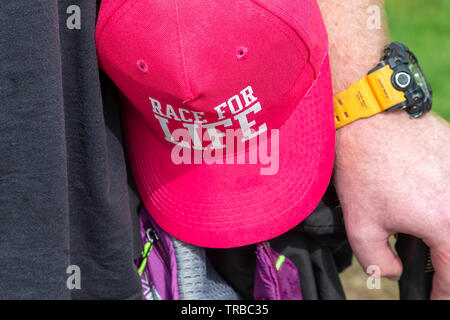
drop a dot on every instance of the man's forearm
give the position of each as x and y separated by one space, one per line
392 173
355 48
355 45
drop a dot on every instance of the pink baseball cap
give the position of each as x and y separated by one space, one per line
192 73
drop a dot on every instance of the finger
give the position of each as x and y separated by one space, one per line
374 252
440 258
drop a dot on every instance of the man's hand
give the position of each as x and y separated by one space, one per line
392 173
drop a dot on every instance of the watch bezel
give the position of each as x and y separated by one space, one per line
398 57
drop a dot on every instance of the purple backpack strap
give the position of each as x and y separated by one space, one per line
158 265
276 277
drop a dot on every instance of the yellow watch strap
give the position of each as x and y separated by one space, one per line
367 97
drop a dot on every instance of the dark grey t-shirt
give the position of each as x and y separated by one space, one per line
64 199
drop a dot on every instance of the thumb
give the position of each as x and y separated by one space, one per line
373 251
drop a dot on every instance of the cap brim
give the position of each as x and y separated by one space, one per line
221 206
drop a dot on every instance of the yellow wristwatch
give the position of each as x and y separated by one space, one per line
397 82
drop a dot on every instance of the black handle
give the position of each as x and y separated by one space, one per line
415 282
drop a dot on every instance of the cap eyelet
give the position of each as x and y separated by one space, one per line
241 53
142 66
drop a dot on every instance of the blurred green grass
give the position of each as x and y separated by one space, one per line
424 26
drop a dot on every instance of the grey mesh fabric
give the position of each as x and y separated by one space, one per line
197 279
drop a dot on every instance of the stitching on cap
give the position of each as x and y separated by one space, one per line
264 13
186 78
116 18
302 37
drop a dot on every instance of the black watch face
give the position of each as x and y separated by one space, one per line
409 78
418 74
